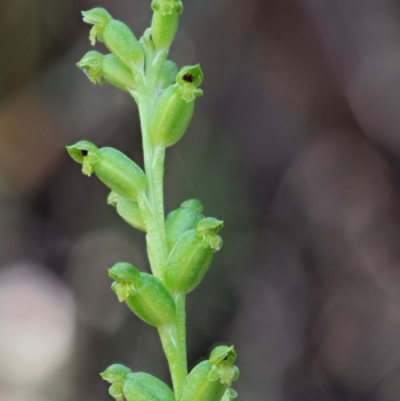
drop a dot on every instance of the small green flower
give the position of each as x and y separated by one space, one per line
111 166
210 380
144 294
191 256
117 36
175 106
103 69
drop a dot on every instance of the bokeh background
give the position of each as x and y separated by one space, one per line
295 145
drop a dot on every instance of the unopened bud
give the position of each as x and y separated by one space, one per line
165 21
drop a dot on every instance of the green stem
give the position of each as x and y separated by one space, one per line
154 170
173 339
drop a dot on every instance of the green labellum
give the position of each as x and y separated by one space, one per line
144 387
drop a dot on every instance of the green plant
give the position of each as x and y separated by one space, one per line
180 247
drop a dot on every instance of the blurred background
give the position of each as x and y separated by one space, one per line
295 145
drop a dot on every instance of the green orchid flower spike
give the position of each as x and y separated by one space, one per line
181 246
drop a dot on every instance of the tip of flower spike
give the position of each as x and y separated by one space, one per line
112 198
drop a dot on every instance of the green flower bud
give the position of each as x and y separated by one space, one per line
191 256
118 38
106 69
175 106
128 210
181 220
115 373
111 166
167 75
144 294
165 21
209 380
144 387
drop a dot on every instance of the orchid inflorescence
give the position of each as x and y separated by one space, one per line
181 246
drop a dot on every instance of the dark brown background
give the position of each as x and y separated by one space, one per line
296 145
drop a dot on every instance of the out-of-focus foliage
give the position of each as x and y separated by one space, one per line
295 145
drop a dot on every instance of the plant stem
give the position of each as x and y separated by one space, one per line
173 337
